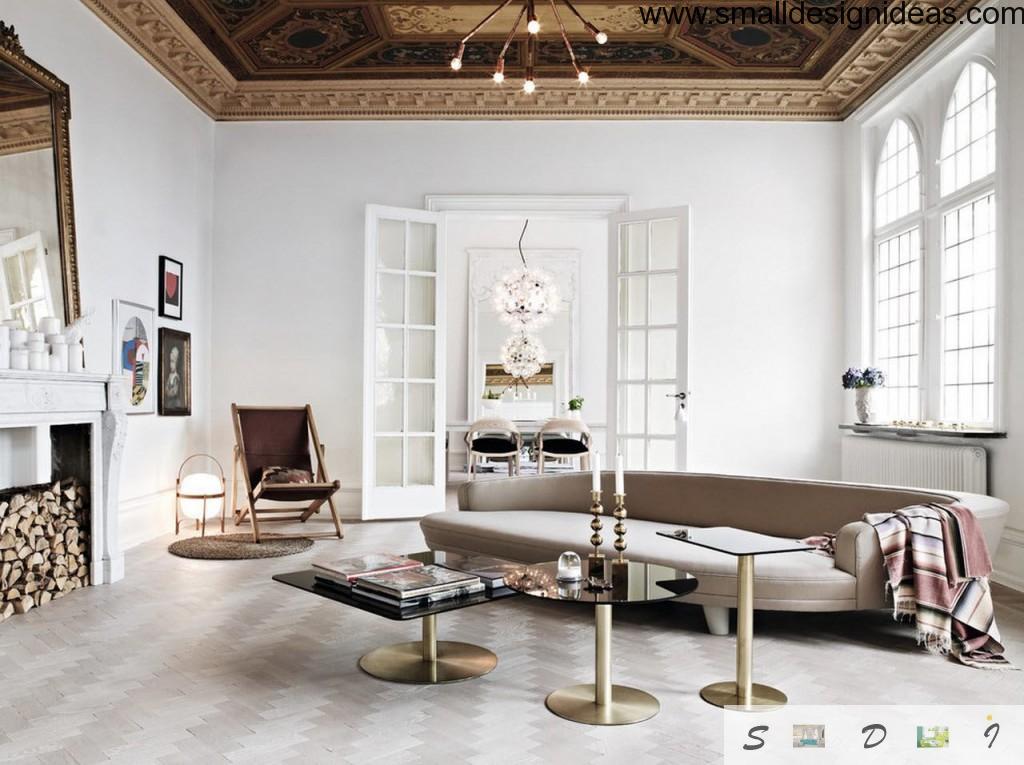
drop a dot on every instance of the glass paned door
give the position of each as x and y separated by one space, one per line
649 304
403 418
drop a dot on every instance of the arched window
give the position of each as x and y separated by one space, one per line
898 271
898 182
969 136
968 262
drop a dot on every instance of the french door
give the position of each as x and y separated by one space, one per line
649 297
403 364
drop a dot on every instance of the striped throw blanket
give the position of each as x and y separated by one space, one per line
938 567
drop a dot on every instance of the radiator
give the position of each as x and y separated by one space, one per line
949 467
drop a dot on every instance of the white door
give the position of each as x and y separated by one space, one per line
649 300
403 364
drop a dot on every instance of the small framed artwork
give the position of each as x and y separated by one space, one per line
175 397
170 287
135 352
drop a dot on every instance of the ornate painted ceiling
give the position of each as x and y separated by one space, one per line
341 59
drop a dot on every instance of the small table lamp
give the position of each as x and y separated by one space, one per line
199 495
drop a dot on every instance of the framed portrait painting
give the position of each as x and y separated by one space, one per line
135 353
170 287
175 385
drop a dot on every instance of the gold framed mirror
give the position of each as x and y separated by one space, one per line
38 258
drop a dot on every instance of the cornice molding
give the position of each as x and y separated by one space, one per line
25 130
153 29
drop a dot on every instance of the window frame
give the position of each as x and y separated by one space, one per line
929 219
895 228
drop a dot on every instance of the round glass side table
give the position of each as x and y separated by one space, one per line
601 702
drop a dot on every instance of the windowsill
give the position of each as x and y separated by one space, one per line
910 431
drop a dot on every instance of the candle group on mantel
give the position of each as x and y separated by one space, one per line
620 477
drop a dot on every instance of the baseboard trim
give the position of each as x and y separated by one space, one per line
1011 550
145 517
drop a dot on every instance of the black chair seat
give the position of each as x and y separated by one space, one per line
567 446
493 445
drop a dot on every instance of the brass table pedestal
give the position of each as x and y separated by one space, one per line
428 661
602 703
744 693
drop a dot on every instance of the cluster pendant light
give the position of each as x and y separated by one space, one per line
533 31
526 300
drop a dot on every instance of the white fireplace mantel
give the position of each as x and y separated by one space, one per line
36 401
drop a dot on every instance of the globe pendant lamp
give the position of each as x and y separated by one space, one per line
522 356
526 299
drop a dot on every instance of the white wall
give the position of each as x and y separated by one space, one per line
921 95
766 200
142 162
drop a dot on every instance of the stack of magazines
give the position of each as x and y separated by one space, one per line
396 580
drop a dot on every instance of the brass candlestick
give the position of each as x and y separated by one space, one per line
596 573
620 566
620 525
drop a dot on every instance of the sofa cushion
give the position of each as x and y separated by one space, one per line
783 580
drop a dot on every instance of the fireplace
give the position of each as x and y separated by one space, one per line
61 439
44 544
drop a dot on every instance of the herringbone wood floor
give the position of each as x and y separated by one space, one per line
206 662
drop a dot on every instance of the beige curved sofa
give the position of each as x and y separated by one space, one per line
534 519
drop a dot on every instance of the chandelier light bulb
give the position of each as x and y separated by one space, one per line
583 77
529 86
456 64
533 26
499 77
601 38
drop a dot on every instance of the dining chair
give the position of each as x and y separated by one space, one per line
562 438
494 438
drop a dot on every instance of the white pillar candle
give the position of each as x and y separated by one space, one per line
19 358
59 357
76 358
5 356
620 479
49 325
596 484
38 361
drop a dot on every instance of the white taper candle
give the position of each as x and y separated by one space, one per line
596 485
620 479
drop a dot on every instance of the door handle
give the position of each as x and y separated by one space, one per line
681 396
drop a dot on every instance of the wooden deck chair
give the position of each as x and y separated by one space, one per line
280 437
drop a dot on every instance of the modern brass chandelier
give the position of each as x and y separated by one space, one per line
533 32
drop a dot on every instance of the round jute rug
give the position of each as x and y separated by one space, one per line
237 547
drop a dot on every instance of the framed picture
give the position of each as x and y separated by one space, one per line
135 352
175 392
170 287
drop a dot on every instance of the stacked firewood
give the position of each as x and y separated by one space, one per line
44 545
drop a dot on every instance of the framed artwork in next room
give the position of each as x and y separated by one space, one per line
135 353
170 287
175 392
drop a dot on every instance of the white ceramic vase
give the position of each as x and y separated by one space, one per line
866 406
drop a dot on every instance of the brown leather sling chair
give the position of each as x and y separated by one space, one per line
272 448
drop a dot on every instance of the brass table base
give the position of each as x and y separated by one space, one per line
727 695
578 703
428 661
404 663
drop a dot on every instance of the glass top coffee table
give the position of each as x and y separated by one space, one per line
744 545
600 702
426 661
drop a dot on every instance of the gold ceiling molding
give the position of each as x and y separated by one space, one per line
458 20
159 35
24 130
